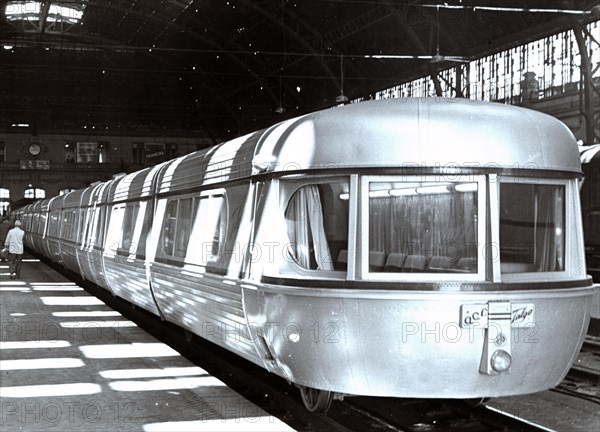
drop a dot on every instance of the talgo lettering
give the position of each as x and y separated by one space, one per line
519 315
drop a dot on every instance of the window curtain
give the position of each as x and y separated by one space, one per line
306 231
549 227
436 224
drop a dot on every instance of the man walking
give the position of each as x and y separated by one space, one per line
14 243
4 229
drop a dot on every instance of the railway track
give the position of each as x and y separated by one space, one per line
418 415
583 380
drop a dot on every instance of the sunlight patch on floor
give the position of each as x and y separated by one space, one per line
41 363
134 350
50 390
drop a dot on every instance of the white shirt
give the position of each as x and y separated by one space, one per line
14 240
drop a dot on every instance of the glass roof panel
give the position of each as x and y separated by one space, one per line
31 11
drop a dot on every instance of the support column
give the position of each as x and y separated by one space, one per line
592 119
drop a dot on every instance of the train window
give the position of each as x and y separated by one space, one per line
99 218
211 217
316 219
125 243
68 225
177 227
145 229
168 231
532 227
423 226
129 221
88 235
85 216
184 227
54 224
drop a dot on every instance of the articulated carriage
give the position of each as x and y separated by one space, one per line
409 247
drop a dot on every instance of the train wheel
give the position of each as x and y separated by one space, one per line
316 400
188 335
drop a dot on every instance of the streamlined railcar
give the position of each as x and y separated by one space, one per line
425 248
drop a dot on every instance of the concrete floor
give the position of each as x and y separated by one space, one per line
70 363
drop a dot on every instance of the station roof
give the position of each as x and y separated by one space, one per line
230 67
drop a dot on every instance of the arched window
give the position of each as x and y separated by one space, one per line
35 193
4 201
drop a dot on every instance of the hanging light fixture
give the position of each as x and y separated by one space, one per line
280 109
342 98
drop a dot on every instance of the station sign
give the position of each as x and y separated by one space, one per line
35 164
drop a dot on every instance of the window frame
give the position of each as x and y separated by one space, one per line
212 260
363 247
569 269
67 230
54 218
288 186
128 220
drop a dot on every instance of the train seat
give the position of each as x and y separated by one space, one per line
394 262
415 263
468 264
440 264
376 261
342 260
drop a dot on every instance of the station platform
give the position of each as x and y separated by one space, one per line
70 363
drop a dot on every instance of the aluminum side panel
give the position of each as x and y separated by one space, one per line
207 305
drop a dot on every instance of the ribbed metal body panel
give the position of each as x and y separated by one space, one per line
72 199
34 238
229 161
68 251
91 267
52 241
90 255
71 202
126 274
205 304
134 185
127 279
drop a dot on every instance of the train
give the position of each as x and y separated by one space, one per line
411 248
590 207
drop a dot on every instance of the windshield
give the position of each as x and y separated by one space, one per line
532 226
423 227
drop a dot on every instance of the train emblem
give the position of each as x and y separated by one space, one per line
476 315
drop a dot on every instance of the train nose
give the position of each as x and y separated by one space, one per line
500 361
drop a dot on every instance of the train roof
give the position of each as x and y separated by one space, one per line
426 132
406 132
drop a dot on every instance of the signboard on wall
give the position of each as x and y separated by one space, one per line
35 164
154 153
87 152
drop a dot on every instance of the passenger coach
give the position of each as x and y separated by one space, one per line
406 247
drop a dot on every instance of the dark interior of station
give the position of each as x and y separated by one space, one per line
231 67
